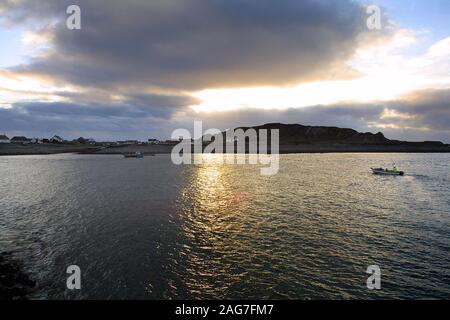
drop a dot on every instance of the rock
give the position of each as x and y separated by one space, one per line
15 284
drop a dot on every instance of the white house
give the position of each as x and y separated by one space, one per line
36 141
4 139
153 141
20 140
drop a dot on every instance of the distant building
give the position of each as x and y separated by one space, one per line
56 139
20 140
4 139
172 142
36 141
153 141
81 140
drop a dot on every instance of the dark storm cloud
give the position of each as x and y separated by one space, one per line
197 43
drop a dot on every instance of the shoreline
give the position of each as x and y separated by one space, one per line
17 150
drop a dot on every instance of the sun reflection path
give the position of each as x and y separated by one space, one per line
217 224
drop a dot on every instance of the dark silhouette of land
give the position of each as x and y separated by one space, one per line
298 138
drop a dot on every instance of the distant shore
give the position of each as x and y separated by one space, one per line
12 149
47 149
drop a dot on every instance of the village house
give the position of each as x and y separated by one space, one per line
153 141
20 140
56 139
4 139
80 140
36 141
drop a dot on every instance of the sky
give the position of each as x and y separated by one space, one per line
143 68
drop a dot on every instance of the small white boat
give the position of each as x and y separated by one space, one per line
387 172
136 154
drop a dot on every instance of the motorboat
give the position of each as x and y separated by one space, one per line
393 172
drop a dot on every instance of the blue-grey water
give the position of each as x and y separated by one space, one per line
147 229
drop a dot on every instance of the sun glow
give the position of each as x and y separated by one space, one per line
318 93
15 88
386 74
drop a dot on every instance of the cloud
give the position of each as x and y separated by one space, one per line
426 110
195 43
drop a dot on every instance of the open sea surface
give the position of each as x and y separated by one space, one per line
147 229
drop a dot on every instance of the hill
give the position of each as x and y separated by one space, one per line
300 138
